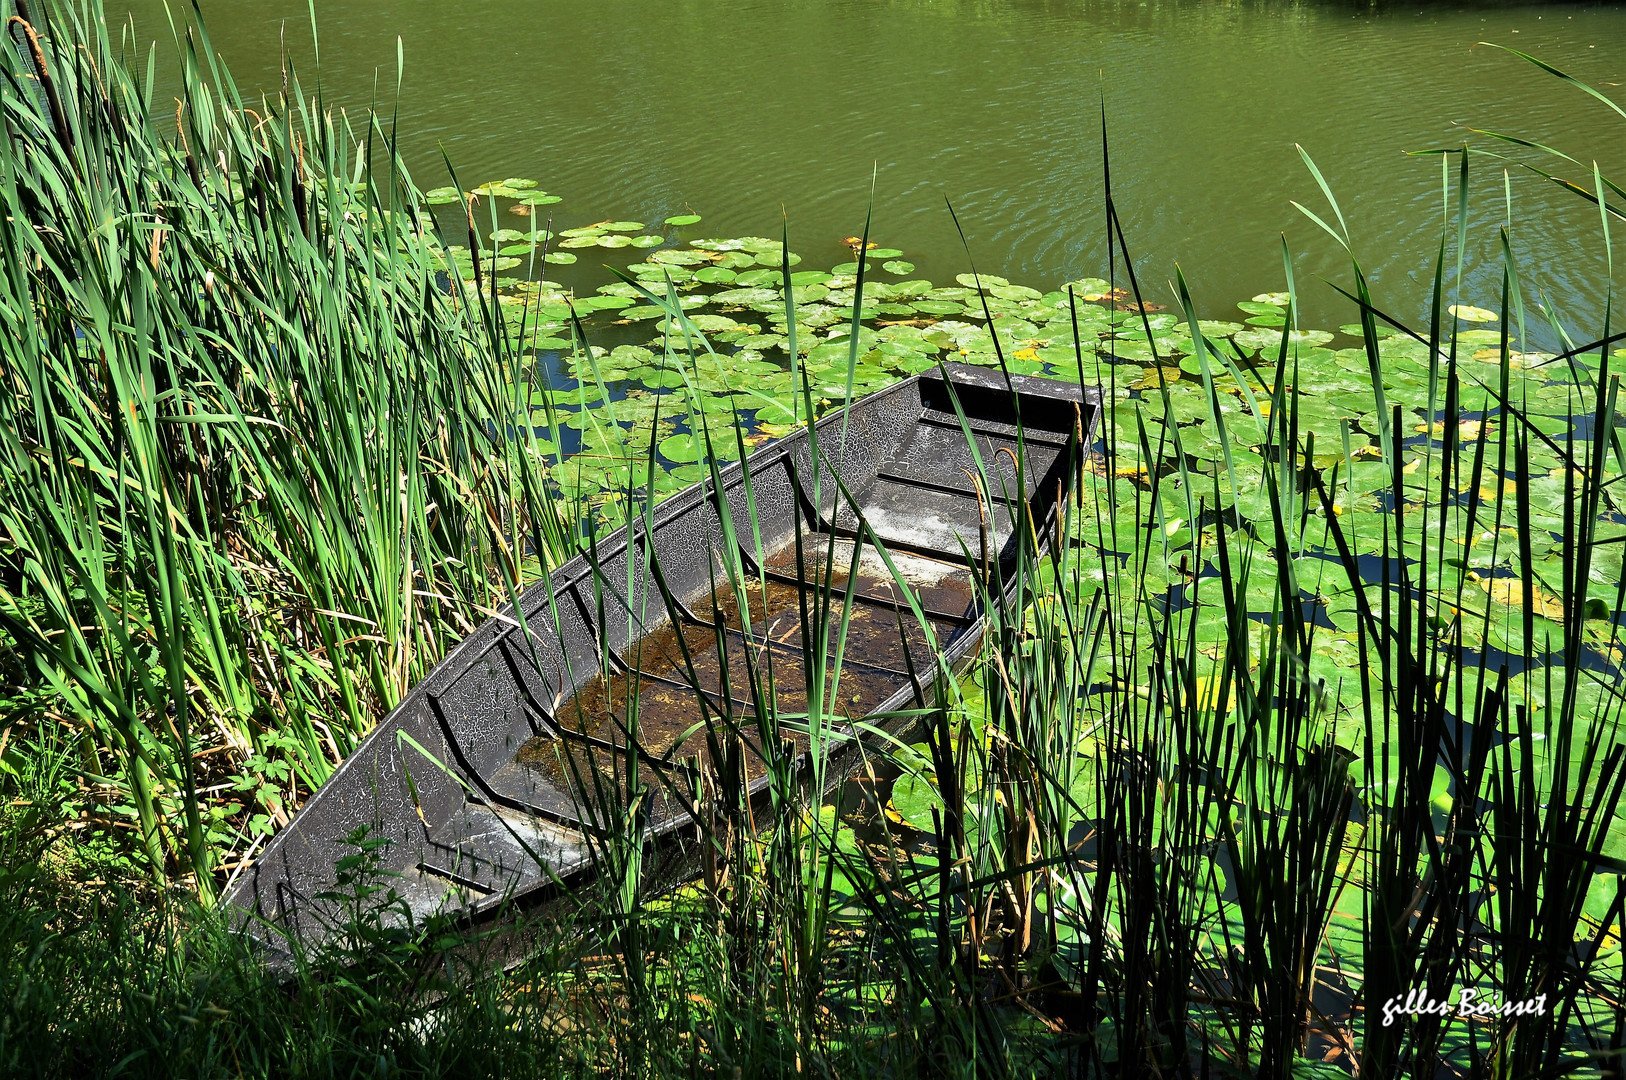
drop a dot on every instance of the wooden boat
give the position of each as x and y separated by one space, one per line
480 779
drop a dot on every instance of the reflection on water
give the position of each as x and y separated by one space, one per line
743 108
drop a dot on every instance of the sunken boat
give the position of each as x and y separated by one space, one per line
489 779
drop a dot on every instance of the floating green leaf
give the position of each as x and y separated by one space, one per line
745 297
680 448
913 801
984 281
1268 339
1355 330
679 257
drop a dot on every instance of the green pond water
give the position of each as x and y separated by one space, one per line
662 140
744 110
673 141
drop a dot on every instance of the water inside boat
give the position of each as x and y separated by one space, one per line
677 692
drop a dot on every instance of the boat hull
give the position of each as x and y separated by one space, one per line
478 779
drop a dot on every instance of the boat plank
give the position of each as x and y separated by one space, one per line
489 777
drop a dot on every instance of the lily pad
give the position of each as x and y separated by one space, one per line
710 324
1469 313
779 413
658 377
680 448
622 226
679 257
559 258
913 800
630 356
647 241
1259 307
723 445
683 219
1272 339
442 196
744 297
1090 288
910 290
986 281
1355 330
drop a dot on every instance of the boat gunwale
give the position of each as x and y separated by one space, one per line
514 618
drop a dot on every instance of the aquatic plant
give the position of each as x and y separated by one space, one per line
1311 703
256 463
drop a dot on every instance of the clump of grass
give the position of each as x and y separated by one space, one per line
256 467
258 474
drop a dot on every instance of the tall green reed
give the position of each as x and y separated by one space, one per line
257 464
1153 815
259 473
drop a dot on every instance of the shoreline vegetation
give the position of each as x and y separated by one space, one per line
1308 718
